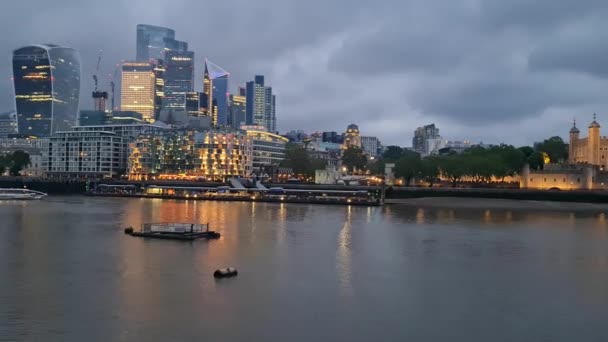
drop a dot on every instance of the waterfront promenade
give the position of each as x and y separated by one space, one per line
392 193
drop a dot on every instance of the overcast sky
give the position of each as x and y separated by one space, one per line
513 71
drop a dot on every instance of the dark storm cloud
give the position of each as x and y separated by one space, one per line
480 69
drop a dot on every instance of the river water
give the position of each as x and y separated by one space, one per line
306 273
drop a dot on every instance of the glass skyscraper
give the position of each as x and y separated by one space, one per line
260 104
215 87
220 95
179 78
47 88
154 41
237 110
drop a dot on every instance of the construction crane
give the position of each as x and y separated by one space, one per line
112 84
97 69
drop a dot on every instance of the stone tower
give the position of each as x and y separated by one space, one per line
574 132
594 143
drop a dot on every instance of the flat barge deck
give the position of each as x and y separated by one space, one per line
174 231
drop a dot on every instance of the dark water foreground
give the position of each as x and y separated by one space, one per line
306 273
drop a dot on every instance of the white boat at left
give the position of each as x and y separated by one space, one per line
20 194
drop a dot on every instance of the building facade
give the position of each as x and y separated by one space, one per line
420 141
591 150
565 177
212 154
260 104
8 124
268 149
332 137
85 154
178 79
370 145
237 111
139 89
47 88
352 137
33 147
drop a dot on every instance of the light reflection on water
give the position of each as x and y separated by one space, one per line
354 273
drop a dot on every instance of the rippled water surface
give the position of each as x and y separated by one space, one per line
307 273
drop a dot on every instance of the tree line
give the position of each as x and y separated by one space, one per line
477 164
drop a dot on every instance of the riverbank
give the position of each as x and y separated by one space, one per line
492 203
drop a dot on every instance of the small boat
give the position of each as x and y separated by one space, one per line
20 194
174 231
225 272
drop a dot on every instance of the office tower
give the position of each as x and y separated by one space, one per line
421 137
179 79
193 104
215 88
141 88
220 95
47 88
238 110
159 87
260 104
154 41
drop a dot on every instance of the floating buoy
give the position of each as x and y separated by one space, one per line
129 230
225 272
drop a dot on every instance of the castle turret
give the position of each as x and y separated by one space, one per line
594 142
574 135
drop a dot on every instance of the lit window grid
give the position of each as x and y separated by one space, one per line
138 92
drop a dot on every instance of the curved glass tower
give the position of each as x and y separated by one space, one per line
47 87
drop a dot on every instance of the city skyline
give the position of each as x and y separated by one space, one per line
521 75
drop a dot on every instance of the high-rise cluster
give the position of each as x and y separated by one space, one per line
157 96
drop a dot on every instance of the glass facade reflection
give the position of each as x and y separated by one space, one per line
154 41
47 88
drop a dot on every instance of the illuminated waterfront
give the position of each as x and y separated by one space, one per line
306 272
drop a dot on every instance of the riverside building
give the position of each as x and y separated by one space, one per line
186 154
268 149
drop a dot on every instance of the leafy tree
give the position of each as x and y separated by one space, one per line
297 159
429 169
19 161
555 147
526 150
392 153
453 168
408 166
4 164
354 158
536 160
